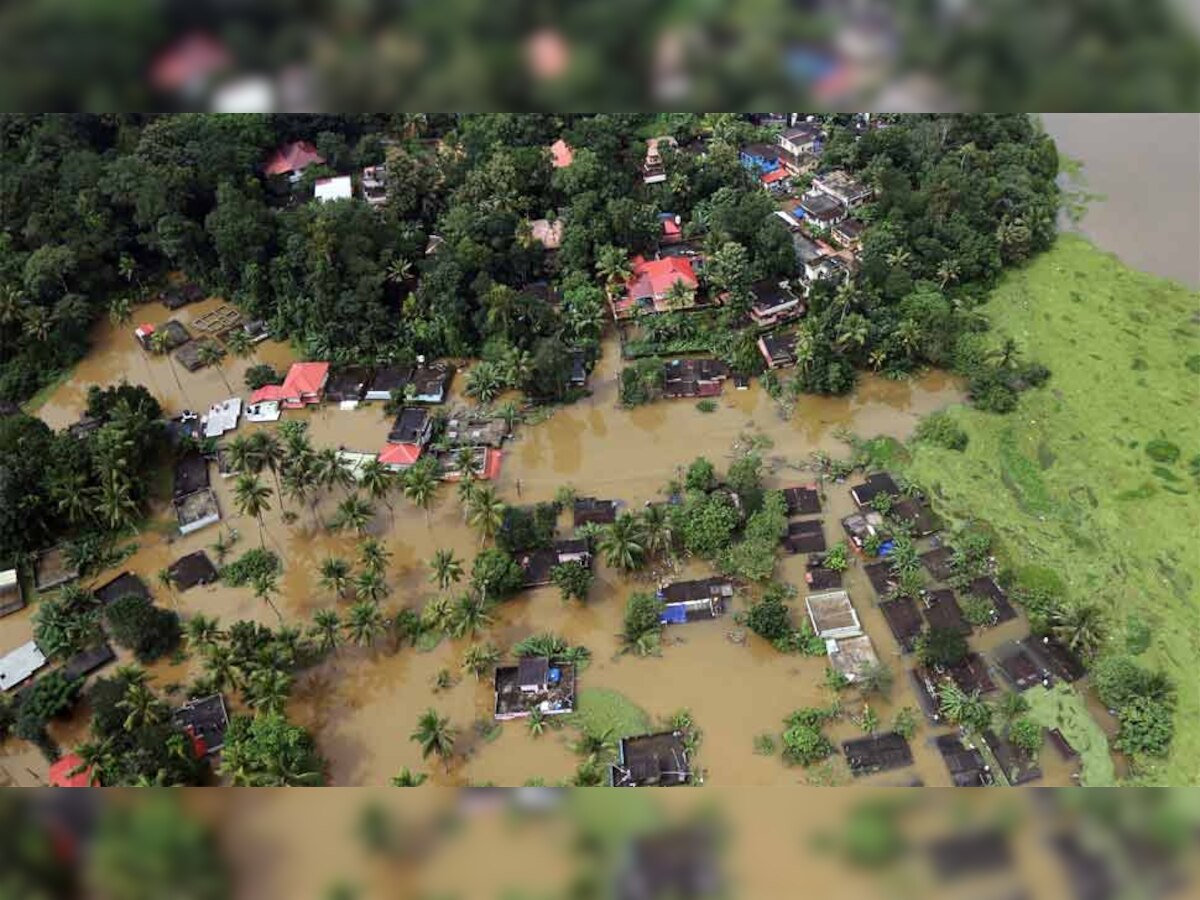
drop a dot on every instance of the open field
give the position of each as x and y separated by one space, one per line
1066 481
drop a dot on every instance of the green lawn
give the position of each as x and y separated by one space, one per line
1064 709
1066 481
600 709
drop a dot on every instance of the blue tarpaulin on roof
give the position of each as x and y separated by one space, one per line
885 549
673 614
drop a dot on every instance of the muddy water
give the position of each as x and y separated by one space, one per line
362 703
1145 167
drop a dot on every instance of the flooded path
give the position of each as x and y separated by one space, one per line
362 704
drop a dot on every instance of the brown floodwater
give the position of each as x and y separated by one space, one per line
362 704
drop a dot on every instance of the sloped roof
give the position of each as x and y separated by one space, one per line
293 157
562 153
60 772
306 378
194 56
400 454
336 188
774 176
654 277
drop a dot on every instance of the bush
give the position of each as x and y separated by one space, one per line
261 374
701 476
803 741
770 618
1147 727
753 557
253 566
642 623
496 575
527 528
838 557
941 647
707 523
138 625
573 579
941 430
1026 735
905 723
707 405
978 610
1162 451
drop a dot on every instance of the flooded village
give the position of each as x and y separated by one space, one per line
360 702
664 538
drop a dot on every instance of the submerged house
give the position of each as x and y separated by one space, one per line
779 350
877 753
431 382
176 334
687 601
196 510
409 435
693 378
193 569
852 657
348 386
879 483
53 567
20 664
190 474
534 683
303 386
12 598
538 563
591 509
803 500
474 430
805 536
862 527
205 720
651 760
485 463
832 615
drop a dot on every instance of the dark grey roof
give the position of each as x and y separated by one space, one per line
533 670
409 426
193 569
123 585
191 473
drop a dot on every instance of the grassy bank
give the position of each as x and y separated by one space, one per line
1066 480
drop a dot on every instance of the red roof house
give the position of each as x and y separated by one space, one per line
61 772
303 386
562 153
400 456
775 176
293 158
188 63
650 283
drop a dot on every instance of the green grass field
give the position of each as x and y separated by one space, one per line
1066 480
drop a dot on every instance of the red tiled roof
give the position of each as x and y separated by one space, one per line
305 378
670 227
268 392
562 153
194 56
60 772
491 465
654 277
774 176
400 454
293 157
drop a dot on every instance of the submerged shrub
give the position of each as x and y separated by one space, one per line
1162 451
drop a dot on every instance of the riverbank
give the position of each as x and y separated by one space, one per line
1066 482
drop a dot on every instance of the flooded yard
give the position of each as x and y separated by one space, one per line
362 704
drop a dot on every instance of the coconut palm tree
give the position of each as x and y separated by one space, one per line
120 311
160 345
267 453
365 622
378 481
210 353
335 576
298 482
485 382
420 486
369 585
947 272
509 413
407 778
446 569
374 556
354 513
1081 627
967 710
141 707
486 512
435 736
239 344
265 587
597 745
612 264
117 507
202 631
480 658
657 535
73 496
679 295
467 485
621 543
239 453
100 757
326 630
267 690
333 471
252 498
221 667
469 615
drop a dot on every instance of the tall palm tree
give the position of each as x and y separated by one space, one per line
265 587
612 264
326 630
369 585
73 496
335 576
239 453
657 535
252 498
468 484
160 345
298 482
621 543
1081 627
239 344
117 506
202 631
221 667
435 736
480 658
141 707
120 311
420 486
211 354
267 453
374 556
947 272
407 778
365 622
486 512
446 569
267 690
100 756
333 471
378 481
354 513
469 615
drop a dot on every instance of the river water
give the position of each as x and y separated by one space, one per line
362 704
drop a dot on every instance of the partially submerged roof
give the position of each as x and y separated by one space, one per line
805 536
1017 766
124 585
191 473
966 764
942 611
53 567
879 483
193 569
819 578
971 674
803 500
852 657
1021 667
12 598
592 509
349 384
939 562
19 664
87 661
547 685
833 615
880 576
197 510
903 620
877 753
1057 658
411 426
652 759
206 720
918 514
533 670
702 589
989 590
